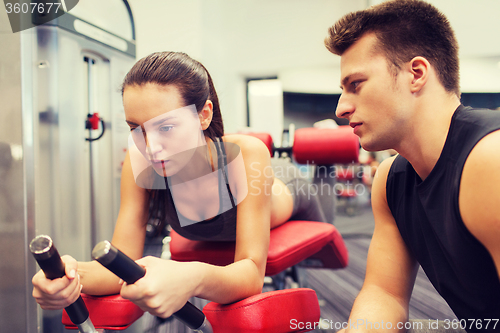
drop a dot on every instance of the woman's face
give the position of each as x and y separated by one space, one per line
163 129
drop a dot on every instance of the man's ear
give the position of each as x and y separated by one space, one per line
419 69
206 114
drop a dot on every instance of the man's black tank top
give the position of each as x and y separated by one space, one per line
428 217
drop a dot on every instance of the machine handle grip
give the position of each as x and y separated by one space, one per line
129 271
50 262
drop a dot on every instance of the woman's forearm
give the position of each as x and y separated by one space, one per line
230 283
97 280
218 284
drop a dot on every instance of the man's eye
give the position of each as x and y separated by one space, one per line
355 84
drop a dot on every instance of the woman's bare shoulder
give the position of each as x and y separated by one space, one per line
246 143
251 149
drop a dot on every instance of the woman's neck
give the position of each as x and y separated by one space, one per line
200 164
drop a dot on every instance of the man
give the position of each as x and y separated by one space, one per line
437 203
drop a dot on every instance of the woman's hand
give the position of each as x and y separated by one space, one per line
58 293
165 288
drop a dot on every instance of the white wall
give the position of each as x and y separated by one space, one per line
265 104
480 74
236 39
477 27
168 25
242 38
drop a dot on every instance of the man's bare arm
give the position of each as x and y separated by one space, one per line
390 271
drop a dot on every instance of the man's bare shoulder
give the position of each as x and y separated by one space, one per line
480 182
380 179
482 168
480 193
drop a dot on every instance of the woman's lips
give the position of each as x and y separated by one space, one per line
159 163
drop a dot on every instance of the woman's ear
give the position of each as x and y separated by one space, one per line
419 69
206 114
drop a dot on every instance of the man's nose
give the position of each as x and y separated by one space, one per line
344 108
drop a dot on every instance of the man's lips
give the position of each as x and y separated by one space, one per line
355 126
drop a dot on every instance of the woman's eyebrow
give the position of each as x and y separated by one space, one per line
163 120
131 123
155 123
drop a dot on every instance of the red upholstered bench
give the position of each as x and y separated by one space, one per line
290 244
314 244
275 311
108 312
325 146
259 313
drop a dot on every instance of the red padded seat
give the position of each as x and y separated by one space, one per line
276 311
280 311
345 174
107 312
348 193
325 146
290 243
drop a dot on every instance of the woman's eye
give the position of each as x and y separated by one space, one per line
166 128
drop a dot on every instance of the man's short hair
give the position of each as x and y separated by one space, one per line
404 29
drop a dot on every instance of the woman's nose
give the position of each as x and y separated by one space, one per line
153 144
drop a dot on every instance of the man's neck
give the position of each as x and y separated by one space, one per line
423 144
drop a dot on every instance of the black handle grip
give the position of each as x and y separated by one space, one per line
129 271
50 262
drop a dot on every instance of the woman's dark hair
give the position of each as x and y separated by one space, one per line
404 29
195 85
188 75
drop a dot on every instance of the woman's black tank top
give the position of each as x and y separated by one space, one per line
220 228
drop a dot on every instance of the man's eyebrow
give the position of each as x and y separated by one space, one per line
347 79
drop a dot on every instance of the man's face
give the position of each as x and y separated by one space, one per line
373 99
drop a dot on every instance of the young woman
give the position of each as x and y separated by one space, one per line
182 170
